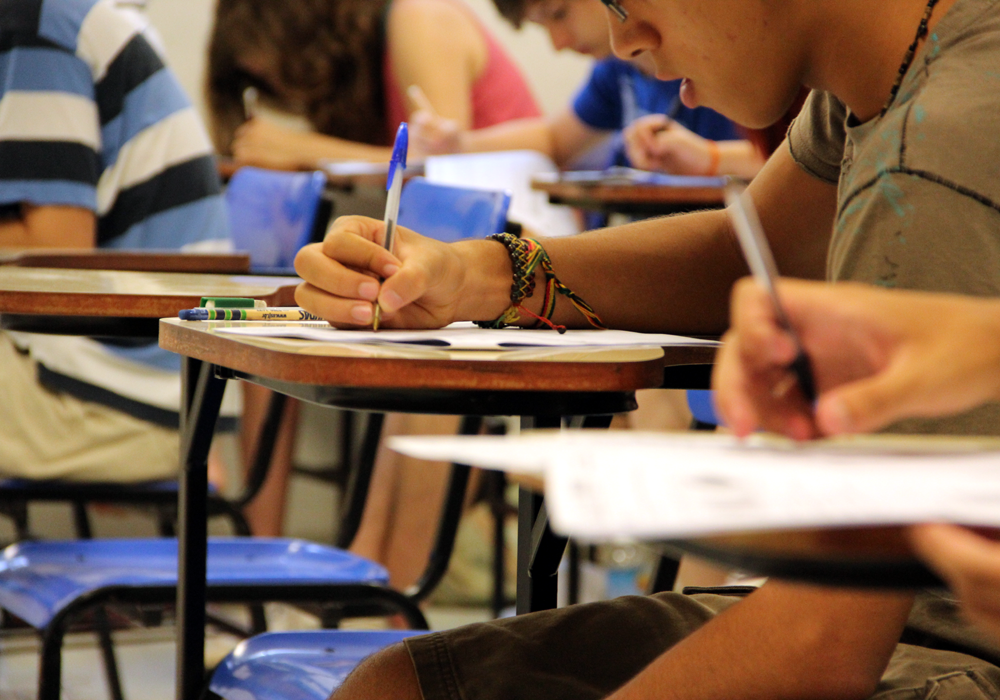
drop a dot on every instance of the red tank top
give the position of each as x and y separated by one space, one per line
499 95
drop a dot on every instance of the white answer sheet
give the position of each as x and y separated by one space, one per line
468 336
608 485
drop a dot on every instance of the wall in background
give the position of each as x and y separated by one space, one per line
184 26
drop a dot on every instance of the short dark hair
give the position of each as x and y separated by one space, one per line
513 10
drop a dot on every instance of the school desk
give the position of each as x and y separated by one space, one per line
132 260
867 557
634 199
542 385
116 302
340 175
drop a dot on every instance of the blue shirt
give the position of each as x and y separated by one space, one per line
617 93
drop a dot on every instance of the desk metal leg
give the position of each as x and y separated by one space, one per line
539 550
200 403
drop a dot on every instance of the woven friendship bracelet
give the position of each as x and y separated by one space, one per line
526 255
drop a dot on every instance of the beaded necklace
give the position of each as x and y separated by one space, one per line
911 52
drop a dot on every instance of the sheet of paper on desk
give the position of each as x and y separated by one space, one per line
467 336
662 486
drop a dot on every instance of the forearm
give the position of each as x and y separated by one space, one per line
521 134
49 227
660 275
739 158
316 147
783 641
673 274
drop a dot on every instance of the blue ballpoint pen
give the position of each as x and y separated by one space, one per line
394 183
750 234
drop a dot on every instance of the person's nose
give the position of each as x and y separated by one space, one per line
631 37
560 38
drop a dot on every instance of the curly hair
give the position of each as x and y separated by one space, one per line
330 52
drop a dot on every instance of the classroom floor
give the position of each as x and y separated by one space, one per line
146 656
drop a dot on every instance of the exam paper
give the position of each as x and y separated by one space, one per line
605 486
468 336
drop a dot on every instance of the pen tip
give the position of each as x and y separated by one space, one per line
376 316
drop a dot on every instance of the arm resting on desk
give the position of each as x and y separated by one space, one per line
782 641
665 274
562 137
49 227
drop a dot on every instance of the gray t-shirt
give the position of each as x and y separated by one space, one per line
919 188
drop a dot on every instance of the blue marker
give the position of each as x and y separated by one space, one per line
394 183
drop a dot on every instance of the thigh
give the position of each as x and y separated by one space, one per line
49 435
582 652
918 673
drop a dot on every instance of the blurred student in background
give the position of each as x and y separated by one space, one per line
99 147
345 65
660 132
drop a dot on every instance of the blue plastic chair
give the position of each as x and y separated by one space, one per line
702 409
272 213
296 665
452 213
49 584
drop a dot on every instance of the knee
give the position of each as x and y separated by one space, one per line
386 674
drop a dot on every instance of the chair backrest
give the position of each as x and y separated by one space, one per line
513 171
452 213
271 214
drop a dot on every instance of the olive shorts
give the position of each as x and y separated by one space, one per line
50 435
585 652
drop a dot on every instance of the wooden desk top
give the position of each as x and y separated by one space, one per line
126 294
344 175
379 378
114 303
132 260
629 198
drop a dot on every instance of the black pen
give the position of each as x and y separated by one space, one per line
757 252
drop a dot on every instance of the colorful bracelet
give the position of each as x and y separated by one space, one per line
526 255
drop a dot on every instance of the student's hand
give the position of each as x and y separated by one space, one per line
878 356
969 563
432 135
423 280
265 144
655 142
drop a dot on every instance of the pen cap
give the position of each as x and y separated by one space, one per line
398 152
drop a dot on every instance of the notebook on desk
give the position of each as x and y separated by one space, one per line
620 175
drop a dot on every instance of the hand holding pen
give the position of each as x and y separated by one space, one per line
394 184
430 133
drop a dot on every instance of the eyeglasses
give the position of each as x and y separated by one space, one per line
616 8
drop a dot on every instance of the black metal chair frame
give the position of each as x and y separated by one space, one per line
336 602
